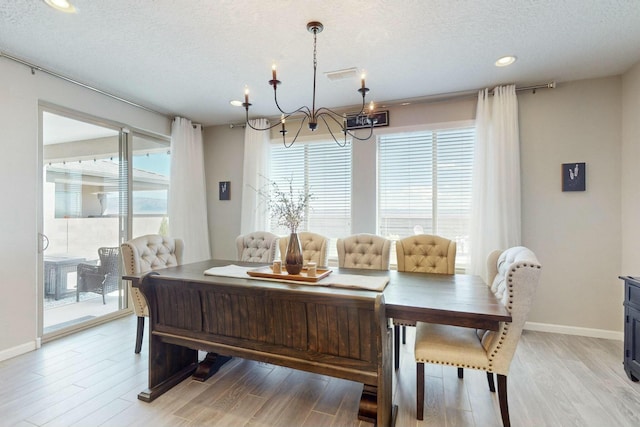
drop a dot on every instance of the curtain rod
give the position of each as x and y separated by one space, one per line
86 86
462 94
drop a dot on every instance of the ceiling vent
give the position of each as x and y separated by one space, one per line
347 73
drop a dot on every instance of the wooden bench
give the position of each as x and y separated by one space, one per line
337 332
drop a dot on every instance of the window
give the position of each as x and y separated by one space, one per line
325 170
424 185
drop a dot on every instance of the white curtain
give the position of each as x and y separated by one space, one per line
495 213
255 178
188 193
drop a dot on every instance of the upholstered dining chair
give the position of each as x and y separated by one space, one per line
143 254
422 253
314 248
259 246
513 277
364 250
101 278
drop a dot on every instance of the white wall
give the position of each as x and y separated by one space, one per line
577 236
20 92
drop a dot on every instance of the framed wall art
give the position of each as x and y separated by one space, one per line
574 176
224 190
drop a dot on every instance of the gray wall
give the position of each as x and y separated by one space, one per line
631 172
577 236
20 93
223 157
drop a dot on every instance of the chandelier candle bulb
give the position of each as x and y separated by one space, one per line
362 79
273 71
246 95
284 130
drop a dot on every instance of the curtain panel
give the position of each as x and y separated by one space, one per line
495 209
255 178
187 191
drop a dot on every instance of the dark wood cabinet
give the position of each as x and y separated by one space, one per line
632 327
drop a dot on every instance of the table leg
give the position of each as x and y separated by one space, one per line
169 364
209 366
368 409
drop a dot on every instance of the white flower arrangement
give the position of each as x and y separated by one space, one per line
288 206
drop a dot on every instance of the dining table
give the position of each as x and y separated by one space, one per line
338 325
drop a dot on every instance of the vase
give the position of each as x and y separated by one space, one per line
293 258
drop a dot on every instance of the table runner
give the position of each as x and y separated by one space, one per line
352 281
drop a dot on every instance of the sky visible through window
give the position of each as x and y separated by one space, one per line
147 201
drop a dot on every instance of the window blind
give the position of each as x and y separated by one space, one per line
325 171
424 185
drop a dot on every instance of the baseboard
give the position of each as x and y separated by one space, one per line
574 330
18 350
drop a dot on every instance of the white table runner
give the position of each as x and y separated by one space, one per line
353 281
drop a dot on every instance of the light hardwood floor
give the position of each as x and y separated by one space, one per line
92 378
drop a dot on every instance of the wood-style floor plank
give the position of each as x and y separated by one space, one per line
92 378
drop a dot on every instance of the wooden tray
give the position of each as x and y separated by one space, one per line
267 272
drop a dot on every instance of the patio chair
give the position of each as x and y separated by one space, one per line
102 278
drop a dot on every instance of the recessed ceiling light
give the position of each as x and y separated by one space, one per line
236 103
61 5
505 60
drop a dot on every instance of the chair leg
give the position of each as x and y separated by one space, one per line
139 334
492 387
404 334
420 391
502 396
396 346
460 373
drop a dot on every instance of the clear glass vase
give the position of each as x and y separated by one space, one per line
293 258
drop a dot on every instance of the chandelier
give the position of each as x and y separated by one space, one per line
312 115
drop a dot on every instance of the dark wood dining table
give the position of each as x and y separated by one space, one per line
335 331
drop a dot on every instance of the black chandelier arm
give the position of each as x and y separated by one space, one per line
333 116
353 135
304 109
257 128
322 117
284 131
324 110
343 126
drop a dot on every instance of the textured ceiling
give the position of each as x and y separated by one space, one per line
190 58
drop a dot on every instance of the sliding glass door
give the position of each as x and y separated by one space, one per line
81 221
101 185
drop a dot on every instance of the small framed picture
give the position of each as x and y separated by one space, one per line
225 190
574 176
